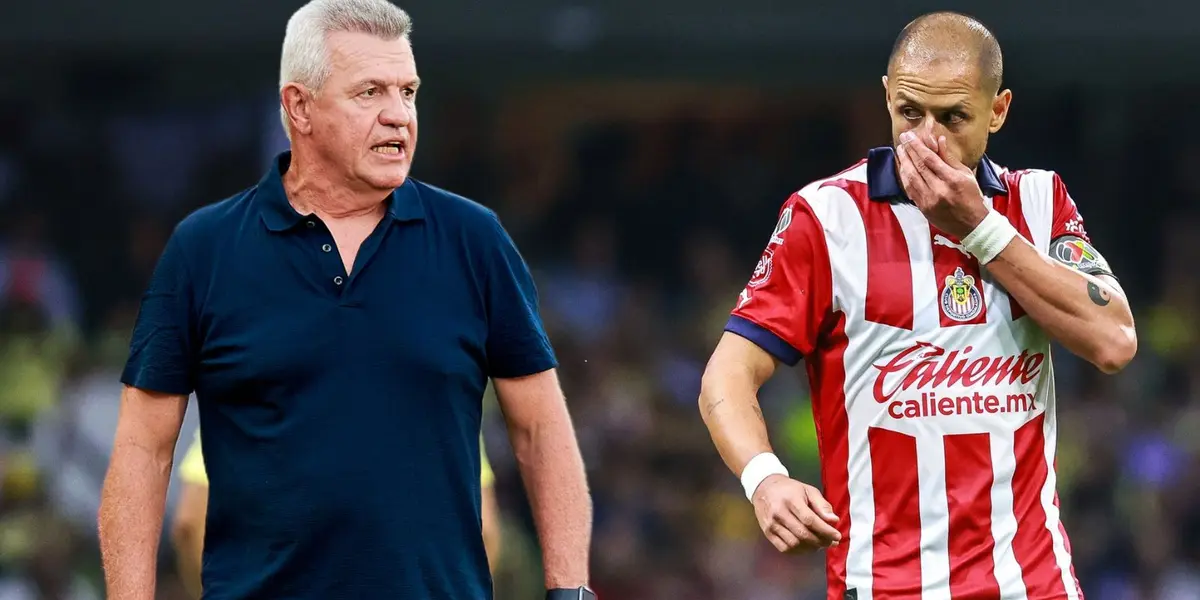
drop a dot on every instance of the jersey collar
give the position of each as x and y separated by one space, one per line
883 183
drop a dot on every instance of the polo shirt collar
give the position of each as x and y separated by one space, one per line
883 182
279 215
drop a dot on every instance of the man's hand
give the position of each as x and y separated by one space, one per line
944 189
794 516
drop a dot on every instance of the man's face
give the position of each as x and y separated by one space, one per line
364 119
944 97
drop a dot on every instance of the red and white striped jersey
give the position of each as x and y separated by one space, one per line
933 393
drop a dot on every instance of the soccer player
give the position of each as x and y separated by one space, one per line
339 322
190 514
922 286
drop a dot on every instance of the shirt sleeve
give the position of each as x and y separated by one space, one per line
517 344
1066 218
191 470
790 294
161 354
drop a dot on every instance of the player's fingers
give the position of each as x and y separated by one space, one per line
784 533
792 530
820 505
776 541
910 176
928 162
823 533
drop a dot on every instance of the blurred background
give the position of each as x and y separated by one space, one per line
638 151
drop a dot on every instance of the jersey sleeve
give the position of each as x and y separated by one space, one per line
161 352
1070 243
790 294
191 469
517 344
1066 217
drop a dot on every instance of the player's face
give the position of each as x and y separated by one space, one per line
364 119
945 98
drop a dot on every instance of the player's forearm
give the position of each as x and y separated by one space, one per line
552 469
1086 315
729 407
132 505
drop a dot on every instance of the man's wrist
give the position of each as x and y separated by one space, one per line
577 593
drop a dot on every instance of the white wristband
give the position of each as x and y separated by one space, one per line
759 468
991 236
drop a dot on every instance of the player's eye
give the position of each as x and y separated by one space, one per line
956 117
410 92
910 112
370 92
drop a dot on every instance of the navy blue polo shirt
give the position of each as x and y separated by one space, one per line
340 413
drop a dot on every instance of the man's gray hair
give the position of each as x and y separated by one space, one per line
305 57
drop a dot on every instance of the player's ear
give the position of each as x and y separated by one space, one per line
999 114
887 96
297 102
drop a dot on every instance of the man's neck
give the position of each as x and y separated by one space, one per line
311 187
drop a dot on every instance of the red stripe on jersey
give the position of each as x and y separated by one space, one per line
1062 530
1010 206
889 274
827 380
896 545
1032 544
960 296
969 499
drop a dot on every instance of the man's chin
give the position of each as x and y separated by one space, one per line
388 179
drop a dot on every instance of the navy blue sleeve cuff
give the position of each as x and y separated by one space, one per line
765 339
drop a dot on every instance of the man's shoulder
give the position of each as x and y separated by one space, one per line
455 207
213 221
850 181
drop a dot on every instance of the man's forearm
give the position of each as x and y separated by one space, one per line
131 514
1088 316
554 477
729 407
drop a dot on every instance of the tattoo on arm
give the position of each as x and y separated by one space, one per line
713 407
1099 295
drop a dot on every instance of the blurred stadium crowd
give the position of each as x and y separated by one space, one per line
642 212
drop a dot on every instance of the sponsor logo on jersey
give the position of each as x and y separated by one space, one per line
961 300
918 382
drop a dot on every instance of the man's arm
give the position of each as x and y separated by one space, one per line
729 400
792 515
547 453
134 496
1088 314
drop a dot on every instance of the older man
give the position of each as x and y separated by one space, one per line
339 322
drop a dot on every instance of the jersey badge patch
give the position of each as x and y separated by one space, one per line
961 299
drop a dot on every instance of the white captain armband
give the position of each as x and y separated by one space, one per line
1077 253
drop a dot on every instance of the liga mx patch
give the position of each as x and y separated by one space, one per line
961 300
1079 255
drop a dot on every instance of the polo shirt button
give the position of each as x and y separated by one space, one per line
337 280
310 224
326 248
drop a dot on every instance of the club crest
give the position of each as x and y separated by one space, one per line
961 300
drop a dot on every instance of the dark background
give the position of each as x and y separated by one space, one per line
638 152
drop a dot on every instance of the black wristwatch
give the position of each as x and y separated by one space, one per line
580 593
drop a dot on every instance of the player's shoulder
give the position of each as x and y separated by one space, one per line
822 195
1029 181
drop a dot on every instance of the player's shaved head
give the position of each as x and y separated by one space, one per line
949 36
